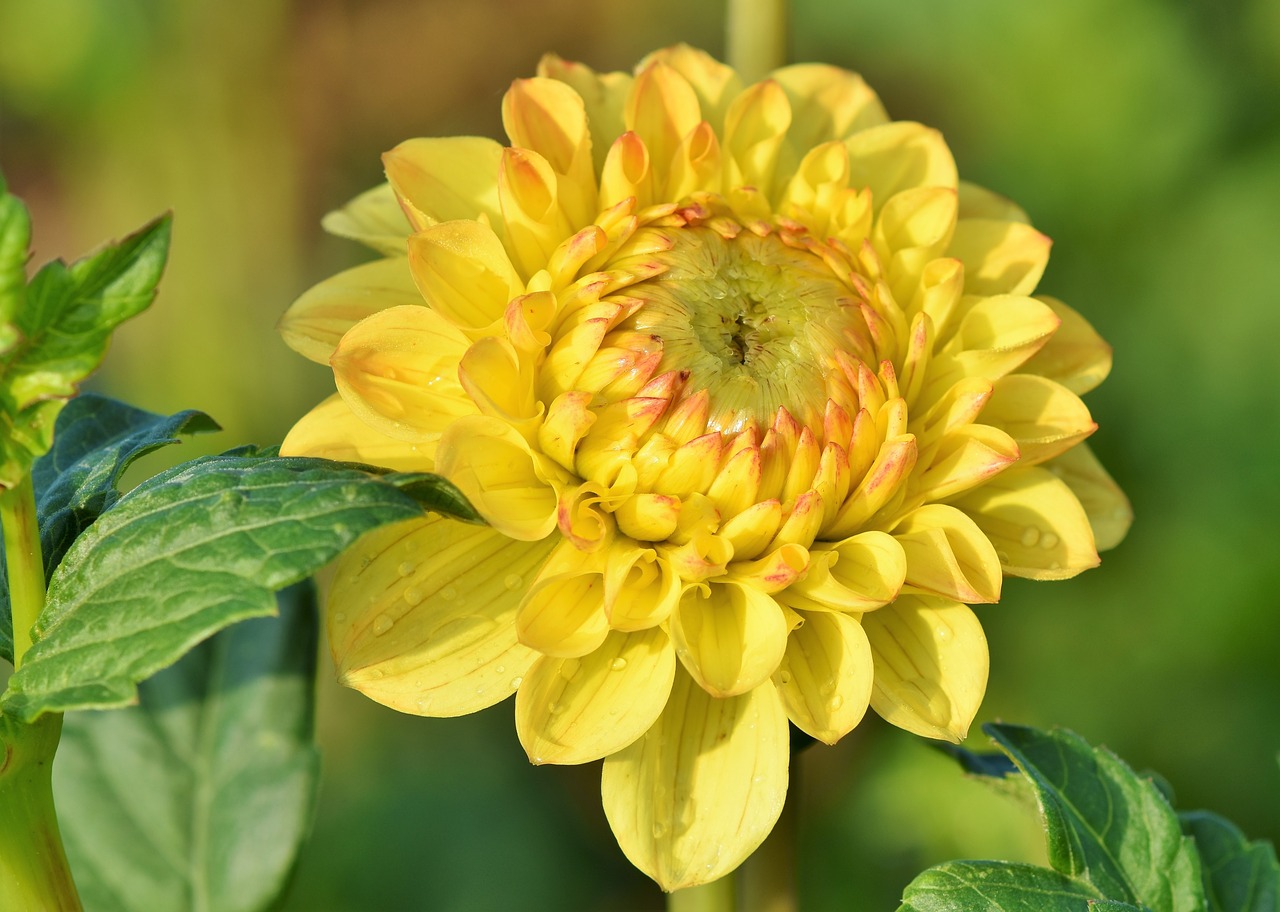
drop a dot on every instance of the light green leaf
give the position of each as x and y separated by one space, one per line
1239 876
200 796
15 239
1106 826
65 323
996 886
188 552
96 439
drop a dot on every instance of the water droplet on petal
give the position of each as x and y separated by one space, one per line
943 633
414 596
500 669
1002 557
1054 565
835 703
516 682
381 624
784 677
618 664
1030 536
423 703
339 616
659 829
513 581
828 688
569 668
1048 540
448 593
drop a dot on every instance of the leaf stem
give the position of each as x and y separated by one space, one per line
716 896
757 36
25 563
34 876
768 876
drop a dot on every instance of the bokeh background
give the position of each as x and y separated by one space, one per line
1142 135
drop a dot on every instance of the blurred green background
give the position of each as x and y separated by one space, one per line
1143 136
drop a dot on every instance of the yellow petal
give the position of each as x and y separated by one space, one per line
548 117
1076 356
931 665
313 324
627 173
397 370
827 103
332 431
373 218
995 337
999 257
715 84
528 190
825 677
507 482
751 531
729 636
1039 529
964 458
1044 418
492 375
604 96
947 554
980 203
860 573
563 613
898 156
912 230
701 790
640 588
446 178
775 571
892 467
567 422
578 710
422 615
463 272
661 110
648 517
1109 512
754 128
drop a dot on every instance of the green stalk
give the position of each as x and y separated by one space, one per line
757 37
25 564
716 896
768 876
34 875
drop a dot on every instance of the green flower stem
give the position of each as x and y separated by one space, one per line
716 896
757 37
25 565
768 876
34 876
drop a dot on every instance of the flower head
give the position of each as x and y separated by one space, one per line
755 399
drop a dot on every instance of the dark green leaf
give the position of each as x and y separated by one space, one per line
65 323
200 796
96 440
996 886
1239 876
1105 825
15 239
185 554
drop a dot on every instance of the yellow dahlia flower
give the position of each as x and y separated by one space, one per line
755 399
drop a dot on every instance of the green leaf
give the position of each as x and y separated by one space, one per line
96 439
1105 825
996 886
1239 876
188 552
15 239
65 323
200 796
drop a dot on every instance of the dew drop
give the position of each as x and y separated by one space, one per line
423 703
835 703
513 581
1030 536
1049 540
569 669
448 593
500 669
381 624
828 689
516 682
339 616
784 677
1002 557
659 829
365 561
405 569
943 633
618 664
1054 565
414 596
